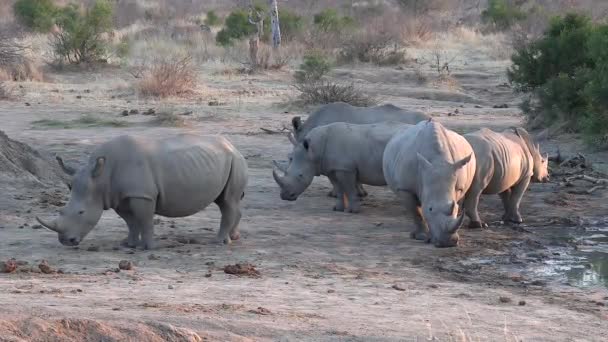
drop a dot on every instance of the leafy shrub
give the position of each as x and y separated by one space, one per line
312 69
236 27
371 46
80 39
38 15
502 14
168 76
566 73
212 19
290 23
329 20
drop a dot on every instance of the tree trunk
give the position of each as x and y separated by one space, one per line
274 22
254 43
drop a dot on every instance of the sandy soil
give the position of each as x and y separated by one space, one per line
324 276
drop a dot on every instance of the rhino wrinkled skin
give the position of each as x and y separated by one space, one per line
344 112
138 177
347 154
430 168
506 163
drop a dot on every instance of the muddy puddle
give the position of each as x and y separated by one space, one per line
572 256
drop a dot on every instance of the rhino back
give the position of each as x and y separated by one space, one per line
502 159
184 173
343 112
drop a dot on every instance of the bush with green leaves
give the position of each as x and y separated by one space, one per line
38 15
566 72
313 68
502 14
80 39
212 19
329 20
236 27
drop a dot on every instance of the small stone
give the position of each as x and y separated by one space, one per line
27 104
37 226
93 249
153 257
331 291
434 286
134 111
170 287
125 113
45 268
398 288
261 311
539 283
125 265
8 266
521 303
78 97
208 275
505 299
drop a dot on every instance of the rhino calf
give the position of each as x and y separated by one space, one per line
430 168
347 154
139 177
506 163
344 112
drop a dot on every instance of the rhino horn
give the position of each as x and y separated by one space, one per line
67 169
279 166
292 139
457 224
277 178
50 225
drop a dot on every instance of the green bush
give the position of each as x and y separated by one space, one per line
329 20
290 23
236 27
566 71
38 15
80 39
212 19
502 14
313 68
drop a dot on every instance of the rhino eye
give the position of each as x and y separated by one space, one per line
430 208
81 212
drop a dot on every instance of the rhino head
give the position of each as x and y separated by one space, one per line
541 166
298 174
82 212
440 194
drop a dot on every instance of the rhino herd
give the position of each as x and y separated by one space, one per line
437 174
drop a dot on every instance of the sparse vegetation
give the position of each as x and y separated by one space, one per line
172 75
313 68
85 121
565 73
169 119
212 19
14 65
80 38
374 46
502 14
5 92
38 15
236 27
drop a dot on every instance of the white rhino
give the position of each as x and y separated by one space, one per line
344 112
506 163
139 177
430 168
347 154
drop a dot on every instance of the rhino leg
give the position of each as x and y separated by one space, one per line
231 215
132 239
340 205
333 192
361 191
471 202
513 201
347 183
412 207
142 216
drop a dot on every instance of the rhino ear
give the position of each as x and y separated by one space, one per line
99 166
462 162
297 123
423 162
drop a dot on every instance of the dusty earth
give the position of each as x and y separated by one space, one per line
323 276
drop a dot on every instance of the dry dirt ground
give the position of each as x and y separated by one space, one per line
324 276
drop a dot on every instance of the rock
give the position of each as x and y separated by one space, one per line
170 287
242 270
505 299
125 113
398 288
504 105
27 104
153 257
8 266
331 291
261 311
37 226
478 106
125 265
208 275
45 267
521 303
79 97
134 111
539 283
93 249
150 111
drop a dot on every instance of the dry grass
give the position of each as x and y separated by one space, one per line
324 92
168 76
6 93
169 119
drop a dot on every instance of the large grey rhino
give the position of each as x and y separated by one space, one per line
344 112
506 163
347 154
430 168
138 177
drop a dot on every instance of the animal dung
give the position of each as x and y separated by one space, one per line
242 270
8 266
45 268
